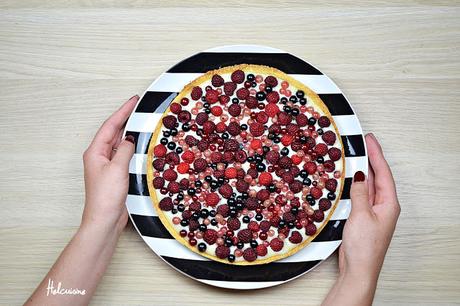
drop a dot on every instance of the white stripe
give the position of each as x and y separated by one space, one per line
342 211
320 84
356 163
240 285
245 49
314 251
137 164
348 124
140 205
143 122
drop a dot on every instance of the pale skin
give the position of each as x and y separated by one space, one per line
366 237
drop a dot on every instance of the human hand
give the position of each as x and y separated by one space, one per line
106 163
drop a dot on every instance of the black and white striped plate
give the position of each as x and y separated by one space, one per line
146 116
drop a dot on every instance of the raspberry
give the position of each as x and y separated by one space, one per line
301 120
197 92
288 177
242 186
311 142
272 110
191 141
172 158
253 226
292 129
253 173
296 237
331 184
188 157
310 167
329 166
324 204
296 145
182 168
285 162
166 204
158 182
256 129
159 150
222 251
216 157
170 175
251 102
286 140
318 215
271 81
310 229
320 149
329 137
284 119
241 173
201 118
169 121
262 117
193 225
252 203
195 206
209 127
288 217
187 214
285 231
184 116
216 110
240 156
249 254
229 88
233 128
261 250
245 235
242 93
223 210
265 178
234 110
334 154
273 97
265 226
231 173
217 80
276 244
200 164
212 96
173 187
237 76
272 157
316 192
233 224
275 129
227 157
231 145
221 127
184 183
175 108
324 121
223 99
275 220
210 236
218 173
263 195
212 199
296 186
296 159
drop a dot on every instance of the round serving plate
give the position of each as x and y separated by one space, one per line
147 115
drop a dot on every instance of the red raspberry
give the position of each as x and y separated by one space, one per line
318 215
262 117
324 204
195 206
310 167
331 184
284 119
221 127
231 173
186 214
212 199
193 225
320 149
329 137
223 210
249 254
166 204
184 116
272 157
188 157
201 118
276 244
329 166
200 164
191 141
316 192
292 129
251 102
311 142
245 235
263 195
273 97
275 129
242 186
216 157
288 217
296 159
253 226
169 121
296 237
231 145
285 162
285 231
229 88
233 224
253 173
256 129
271 81
252 203
265 226
209 127
170 175
223 99
256 144
197 92
234 110
210 236
233 128
288 177
182 168
296 146
286 140
324 121
212 96
159 150
242 93
217 80
237 76
172 158
216 110
265 178
272 110
261 250
240 156
301 120
296 186
175 108
222 251
227 157
158 182
334 154
310 229
184 183
275 220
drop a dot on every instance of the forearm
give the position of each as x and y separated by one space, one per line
80 266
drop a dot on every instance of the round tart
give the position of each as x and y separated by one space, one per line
246 166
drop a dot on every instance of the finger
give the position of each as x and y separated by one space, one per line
102 142
359 194
124 153
116 142
370 185
385 190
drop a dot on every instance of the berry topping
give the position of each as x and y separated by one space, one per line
210 236
212 199
324 121
238 76
169 121
310 229
222 251
166 204
265 179
276 244
250 254
217 80
296 237
245 235
233 224
329 137
229 88
261 250
197 92
256 129
271 81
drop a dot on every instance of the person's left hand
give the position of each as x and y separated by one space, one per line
106 166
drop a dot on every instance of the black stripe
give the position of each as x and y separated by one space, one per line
346 188
151 226
337 104
141 140
152 99
205 61
213 270
332 231
353 145
138 184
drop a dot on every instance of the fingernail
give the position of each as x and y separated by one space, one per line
359 176
372 135
130 138
134 97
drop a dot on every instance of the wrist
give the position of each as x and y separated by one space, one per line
99 230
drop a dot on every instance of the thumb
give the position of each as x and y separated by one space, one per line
359 193
124 152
